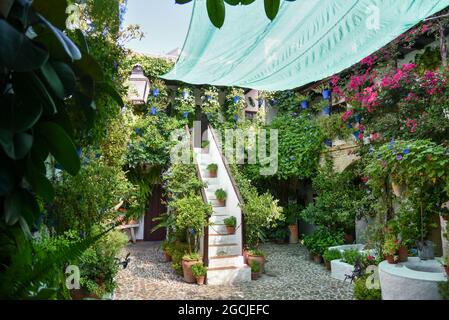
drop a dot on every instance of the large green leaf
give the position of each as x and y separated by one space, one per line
39 182
18 116
246 2
53 81
15 145
20 204
89 66
60 146
82 41
66 75
272 8
53 10
232 2
216 12
17 52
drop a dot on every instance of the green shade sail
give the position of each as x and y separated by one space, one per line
308 41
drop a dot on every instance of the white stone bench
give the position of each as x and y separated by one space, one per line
131 228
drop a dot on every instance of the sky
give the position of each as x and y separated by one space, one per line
164 23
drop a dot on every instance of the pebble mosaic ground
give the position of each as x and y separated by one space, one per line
290 275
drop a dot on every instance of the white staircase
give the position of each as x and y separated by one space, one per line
226 264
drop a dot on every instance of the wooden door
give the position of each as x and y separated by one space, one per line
155 208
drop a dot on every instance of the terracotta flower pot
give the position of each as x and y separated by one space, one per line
230 230
132 221
221 203
255 275
200 280
317 258
293 233
259 259
391 260
327 264
167 256
212 173
403 254
187 270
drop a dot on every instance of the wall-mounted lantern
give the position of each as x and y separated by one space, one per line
139 87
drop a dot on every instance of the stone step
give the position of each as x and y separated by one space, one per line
222 238
226 261
217 228
228 275
220 211
218 218
211 182
225 249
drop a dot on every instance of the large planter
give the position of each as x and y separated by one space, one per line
391 259
293 233
403 254
221 203
259 259
255 275
187 270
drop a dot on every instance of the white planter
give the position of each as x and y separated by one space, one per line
340 269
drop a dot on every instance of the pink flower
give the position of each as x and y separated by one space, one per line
374 136
347 115
412 125
370 258
408 67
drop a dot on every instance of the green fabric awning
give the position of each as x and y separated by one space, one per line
308 41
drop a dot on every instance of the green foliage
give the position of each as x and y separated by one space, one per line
279 234
211 106
184 101
430 59
177 250
333 127
330 255
230 221
191 213
361 292
256 252
292 213
390 246
321 239
234 108
220 194
191 256
153 67
350 256
212 167
180 181
199 270
444 289
255 266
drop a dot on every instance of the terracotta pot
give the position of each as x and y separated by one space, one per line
293 233
403 254
391 260
327 264
260 259
200 280
222 203
230 230
167 256
80 294
187 270
255 275
349 238
212 173
397 189
317 258
132 221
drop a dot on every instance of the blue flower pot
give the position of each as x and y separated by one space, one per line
155 92
185 114
304 104
79 152
153 111
327 111
59 166
326 94
328 143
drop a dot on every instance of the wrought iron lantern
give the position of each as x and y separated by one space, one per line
139 88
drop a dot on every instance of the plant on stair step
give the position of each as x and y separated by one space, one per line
205 146
199 271
255 269
221 196
212 168
231 223
257 255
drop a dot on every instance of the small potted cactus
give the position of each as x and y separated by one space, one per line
221 197
212 168
231 223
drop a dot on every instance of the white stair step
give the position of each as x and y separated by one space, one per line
217 228
226 261
218 219
228 275
215 203
220 211
211 182
228 249
222 239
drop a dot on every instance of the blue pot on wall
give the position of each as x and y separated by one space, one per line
153 111
327 111
326 94
236 118
304 104
328 143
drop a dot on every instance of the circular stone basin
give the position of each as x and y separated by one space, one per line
412 280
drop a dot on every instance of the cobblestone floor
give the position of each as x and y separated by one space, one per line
289 275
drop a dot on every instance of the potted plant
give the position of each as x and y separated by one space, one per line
188 261
255 269
212 168
292 213
166 246
231 223
390 249
330 255
317 258
221 197
199 271
403 252
280 235
256 255
205 146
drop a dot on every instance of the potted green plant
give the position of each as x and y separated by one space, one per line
199 271
205 146
230 223
188 261
330 255
255 269
212 168
166 246
280 235
402 252
390 249
257 255
221 197
292 213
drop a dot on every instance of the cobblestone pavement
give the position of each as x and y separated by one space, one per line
289 275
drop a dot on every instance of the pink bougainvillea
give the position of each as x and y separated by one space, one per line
347 115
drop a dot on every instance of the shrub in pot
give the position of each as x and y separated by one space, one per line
221 197
166 246
188 261
231 223
292 213
212 168
255 269
199 271
390 249
257 255
330 255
